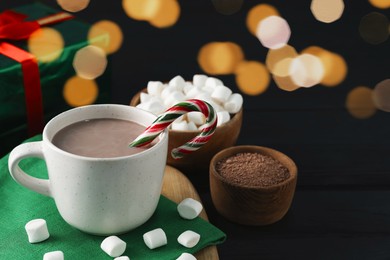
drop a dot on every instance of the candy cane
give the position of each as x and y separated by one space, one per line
170 115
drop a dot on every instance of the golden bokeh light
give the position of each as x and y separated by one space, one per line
80 92
381 95
335 67
360 102
282 68
73 5
273 32
220 58
252 77
276 55
306 70
374 28
258 13
46 44
327 11
382 4
90 62
167 14
285 83
141 10
97 36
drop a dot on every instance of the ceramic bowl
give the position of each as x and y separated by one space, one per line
225 136
252 205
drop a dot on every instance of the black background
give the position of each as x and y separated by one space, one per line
341 208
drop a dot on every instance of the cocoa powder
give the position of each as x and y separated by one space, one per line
252 169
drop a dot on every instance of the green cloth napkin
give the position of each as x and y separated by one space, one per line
18 205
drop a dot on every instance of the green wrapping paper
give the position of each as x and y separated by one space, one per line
19 205
53 75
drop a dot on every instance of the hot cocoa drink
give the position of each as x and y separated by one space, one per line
252 169
100 138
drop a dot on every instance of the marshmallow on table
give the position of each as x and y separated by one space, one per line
189 208
113 246
154 88
221 94
188 239
122 258
186 256
234 103
223 117
37 230
155 238
177 82
54 255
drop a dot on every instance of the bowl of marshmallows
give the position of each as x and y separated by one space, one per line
159 96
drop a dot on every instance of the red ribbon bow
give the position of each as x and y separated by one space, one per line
14 27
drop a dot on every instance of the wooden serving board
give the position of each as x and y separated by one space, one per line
177 187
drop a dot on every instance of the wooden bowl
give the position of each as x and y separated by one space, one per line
252 205
224 136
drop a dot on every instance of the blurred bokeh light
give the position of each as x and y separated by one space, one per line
73 5
80 92
306 70
114 39
327 11
90 62
227 7
382 4
381 95
374 28
257 14
252 77
273 32
46 44
360 102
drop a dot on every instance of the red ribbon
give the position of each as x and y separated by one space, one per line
13 27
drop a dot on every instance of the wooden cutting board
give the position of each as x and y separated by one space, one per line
177 187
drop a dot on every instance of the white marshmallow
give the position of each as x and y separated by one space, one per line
152 106
113 246
223 117
54 255
193 92
186 256
167 90
234 103
199 80
122 258
196 117
208 89
187 87
189 208
177 82
213 82
188 239
179 126
155 238
191 126
204 96
221 94
216 106
173 98
37 230
144 97
154 88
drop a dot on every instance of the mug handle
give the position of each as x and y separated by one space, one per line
22 151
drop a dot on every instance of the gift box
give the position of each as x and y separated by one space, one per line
32 89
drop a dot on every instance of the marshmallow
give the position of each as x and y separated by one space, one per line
154 88
221 93
199 80
216 106
234 103
144 97
189 208
187 87
208 89
186 256
188 239
54 255
155 238
173 98
193 92
223 117
167 90
204 96
191 126
113 246
37 230
213 82
196 117
177 83
179 126
152 106
122 258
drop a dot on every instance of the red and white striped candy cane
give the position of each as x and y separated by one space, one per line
165 119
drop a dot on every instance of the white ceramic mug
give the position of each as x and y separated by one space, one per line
100 196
